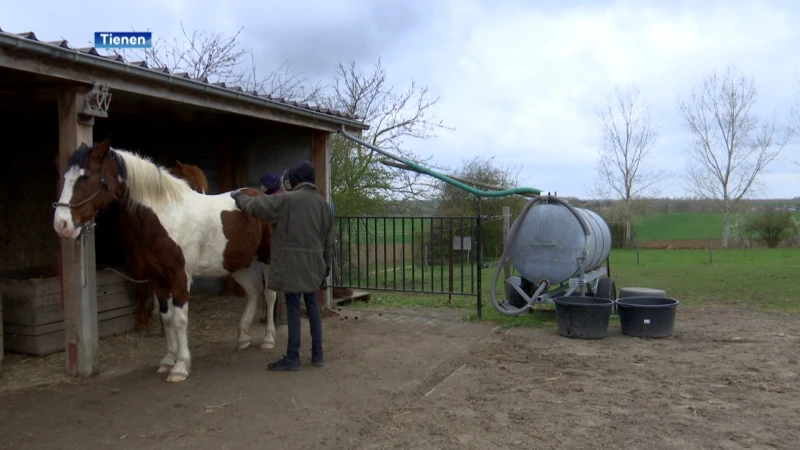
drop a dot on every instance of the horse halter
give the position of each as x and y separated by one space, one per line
103 185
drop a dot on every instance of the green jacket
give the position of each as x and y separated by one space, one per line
302 239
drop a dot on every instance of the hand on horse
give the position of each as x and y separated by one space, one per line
237 194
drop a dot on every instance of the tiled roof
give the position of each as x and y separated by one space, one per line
93 51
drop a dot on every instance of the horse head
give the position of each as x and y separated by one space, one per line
92 181
192 174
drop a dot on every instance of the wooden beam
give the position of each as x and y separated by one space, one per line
78 271
74 72
320 157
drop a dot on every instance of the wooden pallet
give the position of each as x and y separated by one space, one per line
356 295
33 317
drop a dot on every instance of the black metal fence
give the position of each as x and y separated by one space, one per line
433 255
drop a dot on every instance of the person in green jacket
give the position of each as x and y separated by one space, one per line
302 247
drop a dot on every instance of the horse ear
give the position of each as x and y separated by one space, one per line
101 149
178 163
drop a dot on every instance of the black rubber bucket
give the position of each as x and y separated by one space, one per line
650 317
583 317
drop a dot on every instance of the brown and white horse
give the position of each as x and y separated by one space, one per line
198 181
182 234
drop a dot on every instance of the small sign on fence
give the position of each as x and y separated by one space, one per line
467 243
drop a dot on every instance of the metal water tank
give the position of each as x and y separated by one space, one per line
550 239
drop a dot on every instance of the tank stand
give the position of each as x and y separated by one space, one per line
512 310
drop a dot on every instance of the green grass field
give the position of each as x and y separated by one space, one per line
761 279
677 225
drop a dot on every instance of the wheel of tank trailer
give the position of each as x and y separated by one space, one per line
515 299
512 296
606 288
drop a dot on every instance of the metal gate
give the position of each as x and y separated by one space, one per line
426 255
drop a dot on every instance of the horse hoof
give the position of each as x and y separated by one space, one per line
175 378
243 345
163 369
267 345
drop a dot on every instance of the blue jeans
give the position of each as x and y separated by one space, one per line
293 319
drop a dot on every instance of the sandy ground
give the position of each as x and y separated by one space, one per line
727 379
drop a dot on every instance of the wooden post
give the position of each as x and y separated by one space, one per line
78 272
320 157
710 251
506 228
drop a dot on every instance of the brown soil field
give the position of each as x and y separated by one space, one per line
424 379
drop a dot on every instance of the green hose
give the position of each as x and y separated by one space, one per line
468 188
422 169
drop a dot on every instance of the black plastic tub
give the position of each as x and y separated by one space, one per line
650 317
583 317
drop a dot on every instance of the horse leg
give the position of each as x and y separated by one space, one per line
165 304
144 317
254 290
155 314
268 341
180 323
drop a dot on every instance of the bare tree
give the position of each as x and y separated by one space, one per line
359 180
221 59
731 146
628 139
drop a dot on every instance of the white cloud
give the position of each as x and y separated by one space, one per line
521 84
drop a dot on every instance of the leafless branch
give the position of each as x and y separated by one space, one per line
628 138
394 118
220 59
731 146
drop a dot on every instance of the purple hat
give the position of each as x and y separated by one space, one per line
271 182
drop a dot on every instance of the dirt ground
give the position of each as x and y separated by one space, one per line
727 379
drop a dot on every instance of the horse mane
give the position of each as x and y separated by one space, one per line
149 184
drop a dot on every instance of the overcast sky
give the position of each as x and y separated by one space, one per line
517 79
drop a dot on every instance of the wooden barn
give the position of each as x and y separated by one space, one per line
54 295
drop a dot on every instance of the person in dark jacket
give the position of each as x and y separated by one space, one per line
302 248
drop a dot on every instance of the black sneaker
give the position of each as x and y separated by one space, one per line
318 361
283 365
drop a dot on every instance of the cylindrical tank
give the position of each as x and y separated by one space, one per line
550 239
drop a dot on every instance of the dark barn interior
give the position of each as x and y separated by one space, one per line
233 151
